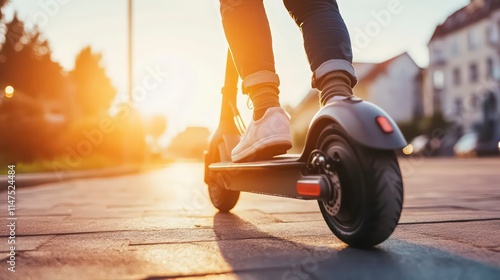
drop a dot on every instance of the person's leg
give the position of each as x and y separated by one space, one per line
327 44
249 37
247 31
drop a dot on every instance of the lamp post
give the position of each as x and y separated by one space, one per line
130 53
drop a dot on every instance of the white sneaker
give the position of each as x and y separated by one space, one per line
264 138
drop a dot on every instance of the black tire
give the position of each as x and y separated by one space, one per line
371 186
222 199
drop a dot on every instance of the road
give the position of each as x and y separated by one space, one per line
161 224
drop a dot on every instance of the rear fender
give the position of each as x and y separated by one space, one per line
359 119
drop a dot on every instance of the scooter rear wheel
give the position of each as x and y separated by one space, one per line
371 188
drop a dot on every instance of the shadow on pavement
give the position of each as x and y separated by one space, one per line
255 254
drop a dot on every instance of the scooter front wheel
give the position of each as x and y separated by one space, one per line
222 198
371 190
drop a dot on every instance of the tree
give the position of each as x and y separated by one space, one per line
94 90
156 126
2 3
27 65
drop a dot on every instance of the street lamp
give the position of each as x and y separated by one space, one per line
130 55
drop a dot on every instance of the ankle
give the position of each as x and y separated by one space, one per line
335 83
263 97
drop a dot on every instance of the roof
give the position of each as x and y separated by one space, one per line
475 11
380 68
365 71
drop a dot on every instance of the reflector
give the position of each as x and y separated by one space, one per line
308 188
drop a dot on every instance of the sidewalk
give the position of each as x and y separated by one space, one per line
33 179
160 224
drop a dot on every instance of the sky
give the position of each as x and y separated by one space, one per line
180 48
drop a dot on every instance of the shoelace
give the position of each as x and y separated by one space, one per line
249 103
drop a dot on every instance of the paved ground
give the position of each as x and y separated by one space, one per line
161 224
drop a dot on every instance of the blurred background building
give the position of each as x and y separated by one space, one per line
464 67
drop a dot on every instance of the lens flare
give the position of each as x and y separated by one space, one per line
408 150
9 91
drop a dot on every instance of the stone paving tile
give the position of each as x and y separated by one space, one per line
221 256
295 217
296 229
478 234
88 243
66 265
103 212
439 215
468 249
158 223
29 225
25 243
171 236
179 213
22 212
66 225
275 273
271 204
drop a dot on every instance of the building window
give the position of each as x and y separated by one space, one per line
473 72
489 68
458 106
437 54
492 33
473 101
454 46
438 79
473 38
456 76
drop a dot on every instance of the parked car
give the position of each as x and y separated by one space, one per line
423 145
469 145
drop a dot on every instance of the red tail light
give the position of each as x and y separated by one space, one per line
384 124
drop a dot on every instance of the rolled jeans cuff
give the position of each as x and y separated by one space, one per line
260 77
335 65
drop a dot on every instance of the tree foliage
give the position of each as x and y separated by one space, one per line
26 63
156 126
94 90
2 3
55 114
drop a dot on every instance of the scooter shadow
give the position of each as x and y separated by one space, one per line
247 248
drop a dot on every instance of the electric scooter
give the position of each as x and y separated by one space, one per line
348 165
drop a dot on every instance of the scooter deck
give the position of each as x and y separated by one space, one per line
281 176
278 162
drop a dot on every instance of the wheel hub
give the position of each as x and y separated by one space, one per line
326 165
333 206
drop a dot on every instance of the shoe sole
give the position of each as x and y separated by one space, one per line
264 152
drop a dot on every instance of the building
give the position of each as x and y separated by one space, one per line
395 85
464 71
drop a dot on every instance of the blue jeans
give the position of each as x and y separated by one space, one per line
326 39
